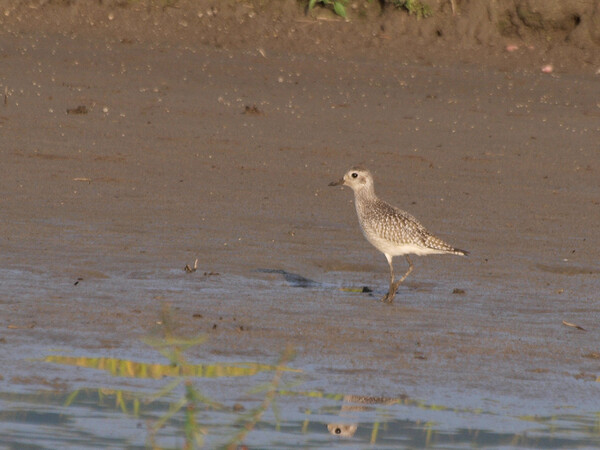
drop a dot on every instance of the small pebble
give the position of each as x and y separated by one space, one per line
548 68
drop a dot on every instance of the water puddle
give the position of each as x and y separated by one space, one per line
257 405
169 401
116 418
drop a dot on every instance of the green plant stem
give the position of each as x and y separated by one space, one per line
267 401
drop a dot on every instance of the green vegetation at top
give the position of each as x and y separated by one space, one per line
413 7
338 6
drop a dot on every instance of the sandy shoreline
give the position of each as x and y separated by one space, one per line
168 166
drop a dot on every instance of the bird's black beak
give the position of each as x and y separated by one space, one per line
337 183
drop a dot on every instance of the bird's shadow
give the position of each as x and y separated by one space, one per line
293 279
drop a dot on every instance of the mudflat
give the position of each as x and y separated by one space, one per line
124 160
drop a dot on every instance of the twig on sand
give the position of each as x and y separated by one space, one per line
569 324
189 269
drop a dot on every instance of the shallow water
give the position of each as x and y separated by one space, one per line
104 418
316 405
324 400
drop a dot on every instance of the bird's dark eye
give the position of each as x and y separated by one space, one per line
354 174
339 430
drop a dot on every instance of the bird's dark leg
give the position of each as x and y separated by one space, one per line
410 269
389 297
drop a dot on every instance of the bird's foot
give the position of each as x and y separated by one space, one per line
391 294
388 298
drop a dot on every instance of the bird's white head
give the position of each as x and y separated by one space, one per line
357 178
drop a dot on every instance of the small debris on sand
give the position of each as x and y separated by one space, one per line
253 110
189 269
569 324
81 109
548 68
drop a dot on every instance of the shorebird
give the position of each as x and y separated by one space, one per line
389 229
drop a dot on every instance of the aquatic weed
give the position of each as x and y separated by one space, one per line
192 400
271 390
172 348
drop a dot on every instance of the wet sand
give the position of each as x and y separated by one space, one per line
192 152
